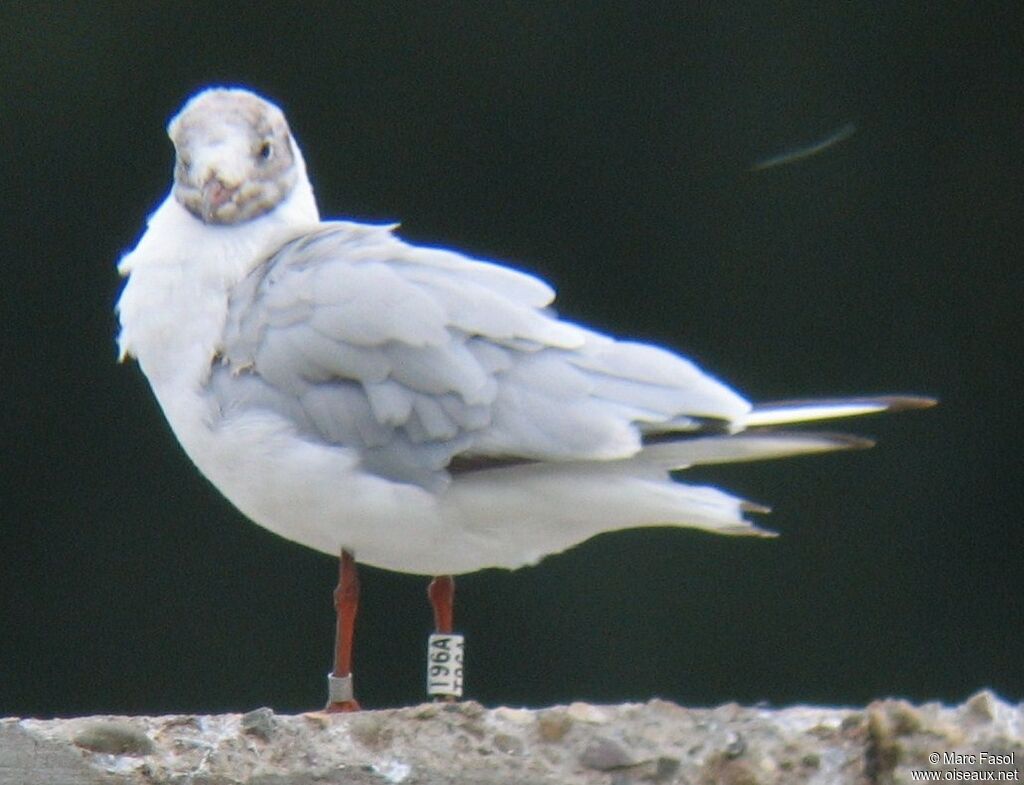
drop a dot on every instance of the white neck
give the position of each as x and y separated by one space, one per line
174 306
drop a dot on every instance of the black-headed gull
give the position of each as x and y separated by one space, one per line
415 408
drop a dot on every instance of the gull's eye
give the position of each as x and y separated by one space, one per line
265 150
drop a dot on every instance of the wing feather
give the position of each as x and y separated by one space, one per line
413 356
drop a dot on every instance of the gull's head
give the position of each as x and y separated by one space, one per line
235 157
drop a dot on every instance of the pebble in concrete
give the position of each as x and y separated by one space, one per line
113 738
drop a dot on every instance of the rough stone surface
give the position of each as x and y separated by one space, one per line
452 744
113 738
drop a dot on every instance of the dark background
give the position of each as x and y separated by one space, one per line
607 148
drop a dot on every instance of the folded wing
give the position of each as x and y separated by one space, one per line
414 356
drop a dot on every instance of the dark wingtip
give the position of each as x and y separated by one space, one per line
837 441
898 403
884 403
847 441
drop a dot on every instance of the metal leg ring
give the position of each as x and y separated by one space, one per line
339 688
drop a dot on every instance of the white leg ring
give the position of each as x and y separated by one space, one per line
445 656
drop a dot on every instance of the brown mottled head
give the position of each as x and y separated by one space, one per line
235 160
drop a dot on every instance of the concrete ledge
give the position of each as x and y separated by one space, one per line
656 742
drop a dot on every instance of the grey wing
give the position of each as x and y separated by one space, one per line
417 356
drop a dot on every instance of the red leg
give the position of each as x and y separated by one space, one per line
442 597
346 603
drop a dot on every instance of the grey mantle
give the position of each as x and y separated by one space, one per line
889 741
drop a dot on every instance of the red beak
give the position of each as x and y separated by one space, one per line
215 195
